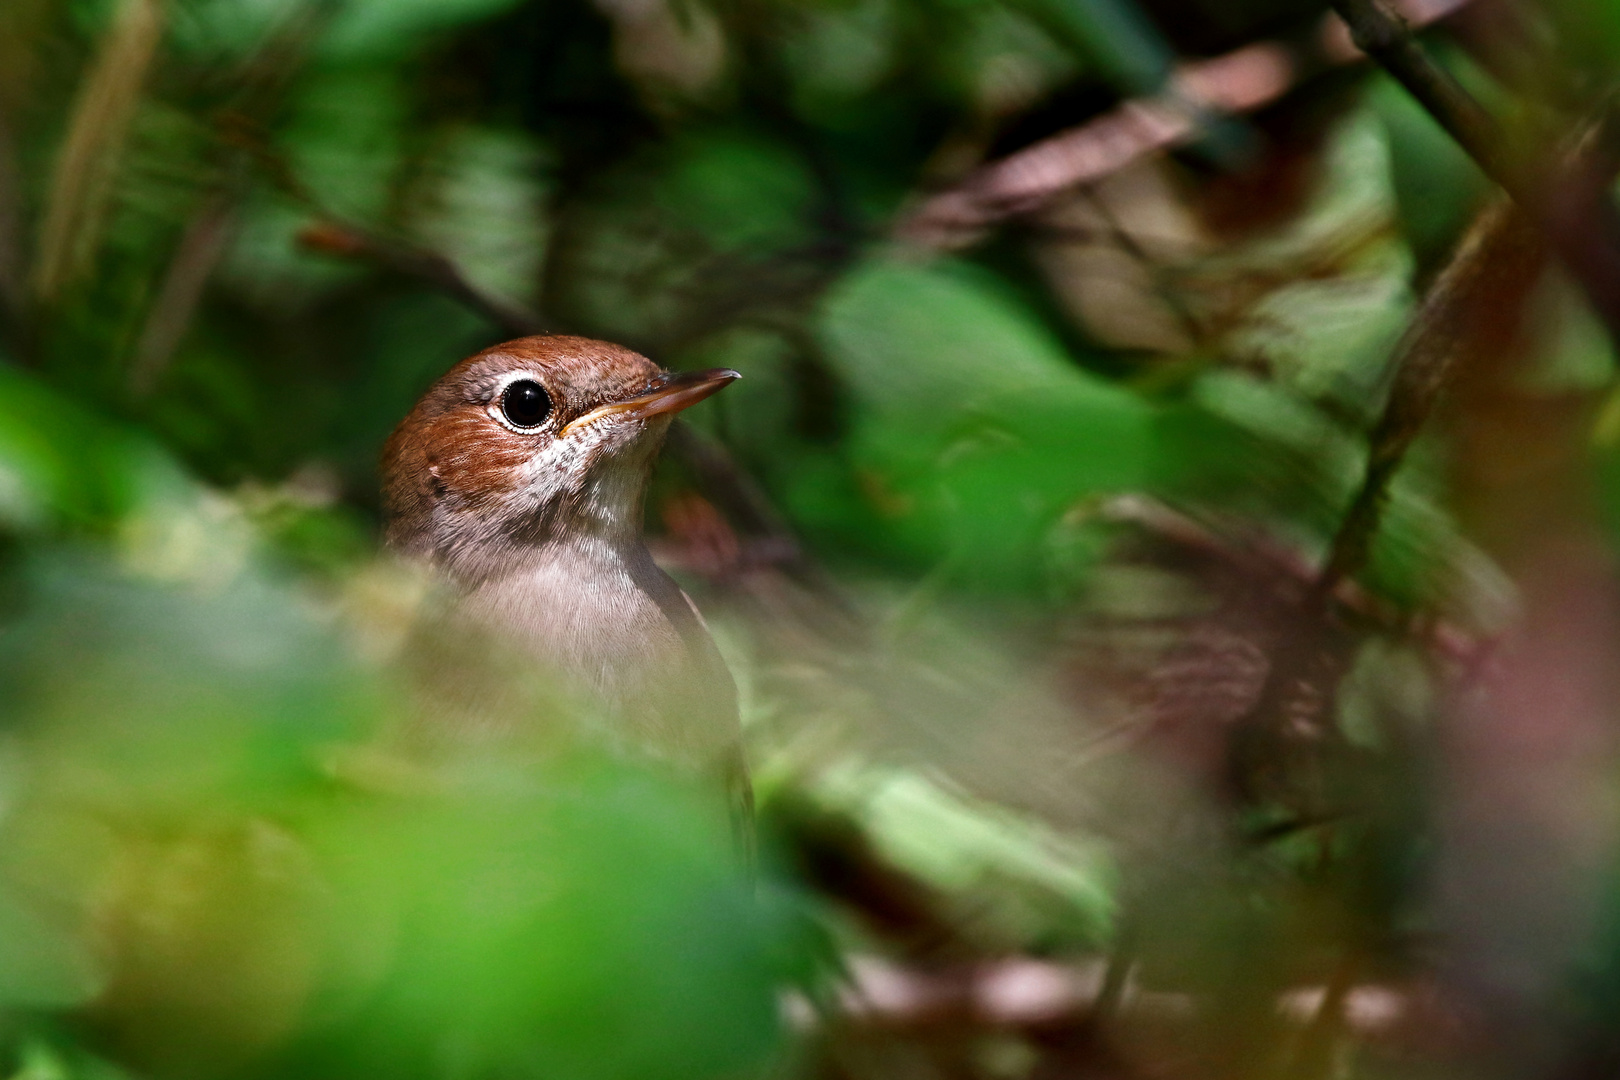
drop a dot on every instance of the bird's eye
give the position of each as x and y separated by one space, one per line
526 404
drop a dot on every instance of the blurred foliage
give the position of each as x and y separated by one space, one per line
1049 506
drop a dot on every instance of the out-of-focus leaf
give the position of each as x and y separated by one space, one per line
738 191
1022 877
162 693
63 465
42 964
40 1059
672 237
1436 184
373 28
480 201
840 51
343 136
592 927
972 429
231 29
410 341
1327 330
1332 339
265 264
342 143
1252 445
1589 33
586 920
1574 352
1112 35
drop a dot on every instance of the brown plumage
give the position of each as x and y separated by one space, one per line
520 477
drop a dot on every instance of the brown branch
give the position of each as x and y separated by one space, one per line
1499 258
1259 557
12 257
349 241
1239 82
201 247
1565 192
1313 1053
1386 38
16 323
1462 315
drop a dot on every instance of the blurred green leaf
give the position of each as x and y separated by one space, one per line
593 927
372 28
61 464
232 29
1031 882
166 693
1113 35
668 240
1437 186
479 198
972 430
43 964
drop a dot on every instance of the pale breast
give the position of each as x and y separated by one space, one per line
610 624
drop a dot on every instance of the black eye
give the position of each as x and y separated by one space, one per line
526 404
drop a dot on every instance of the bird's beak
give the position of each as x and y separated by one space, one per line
670 392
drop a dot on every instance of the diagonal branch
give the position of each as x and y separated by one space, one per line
1387 39
202 246
348 241
1484 283
1565 193
1498 260
1239 82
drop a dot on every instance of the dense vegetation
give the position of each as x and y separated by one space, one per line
1163 537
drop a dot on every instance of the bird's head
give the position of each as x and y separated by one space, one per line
531 442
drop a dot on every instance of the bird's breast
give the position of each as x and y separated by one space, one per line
613 627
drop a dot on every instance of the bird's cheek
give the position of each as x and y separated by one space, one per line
640 435
483 476
551 465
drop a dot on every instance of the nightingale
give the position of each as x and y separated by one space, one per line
519 478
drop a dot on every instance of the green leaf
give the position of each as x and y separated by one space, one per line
704 223
43 964
972 427
591 927
1436 184
61 465
370 28
480 200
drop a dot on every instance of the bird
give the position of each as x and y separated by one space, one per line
519 479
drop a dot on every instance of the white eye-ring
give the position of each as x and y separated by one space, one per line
521 403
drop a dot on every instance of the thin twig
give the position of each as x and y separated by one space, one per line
1386 38
1127 242
13 257
1199 91
103 112
350 241
1498 260
1257 557
1116 979
1500 255
1313 1053
259 85
1566 192
201 247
